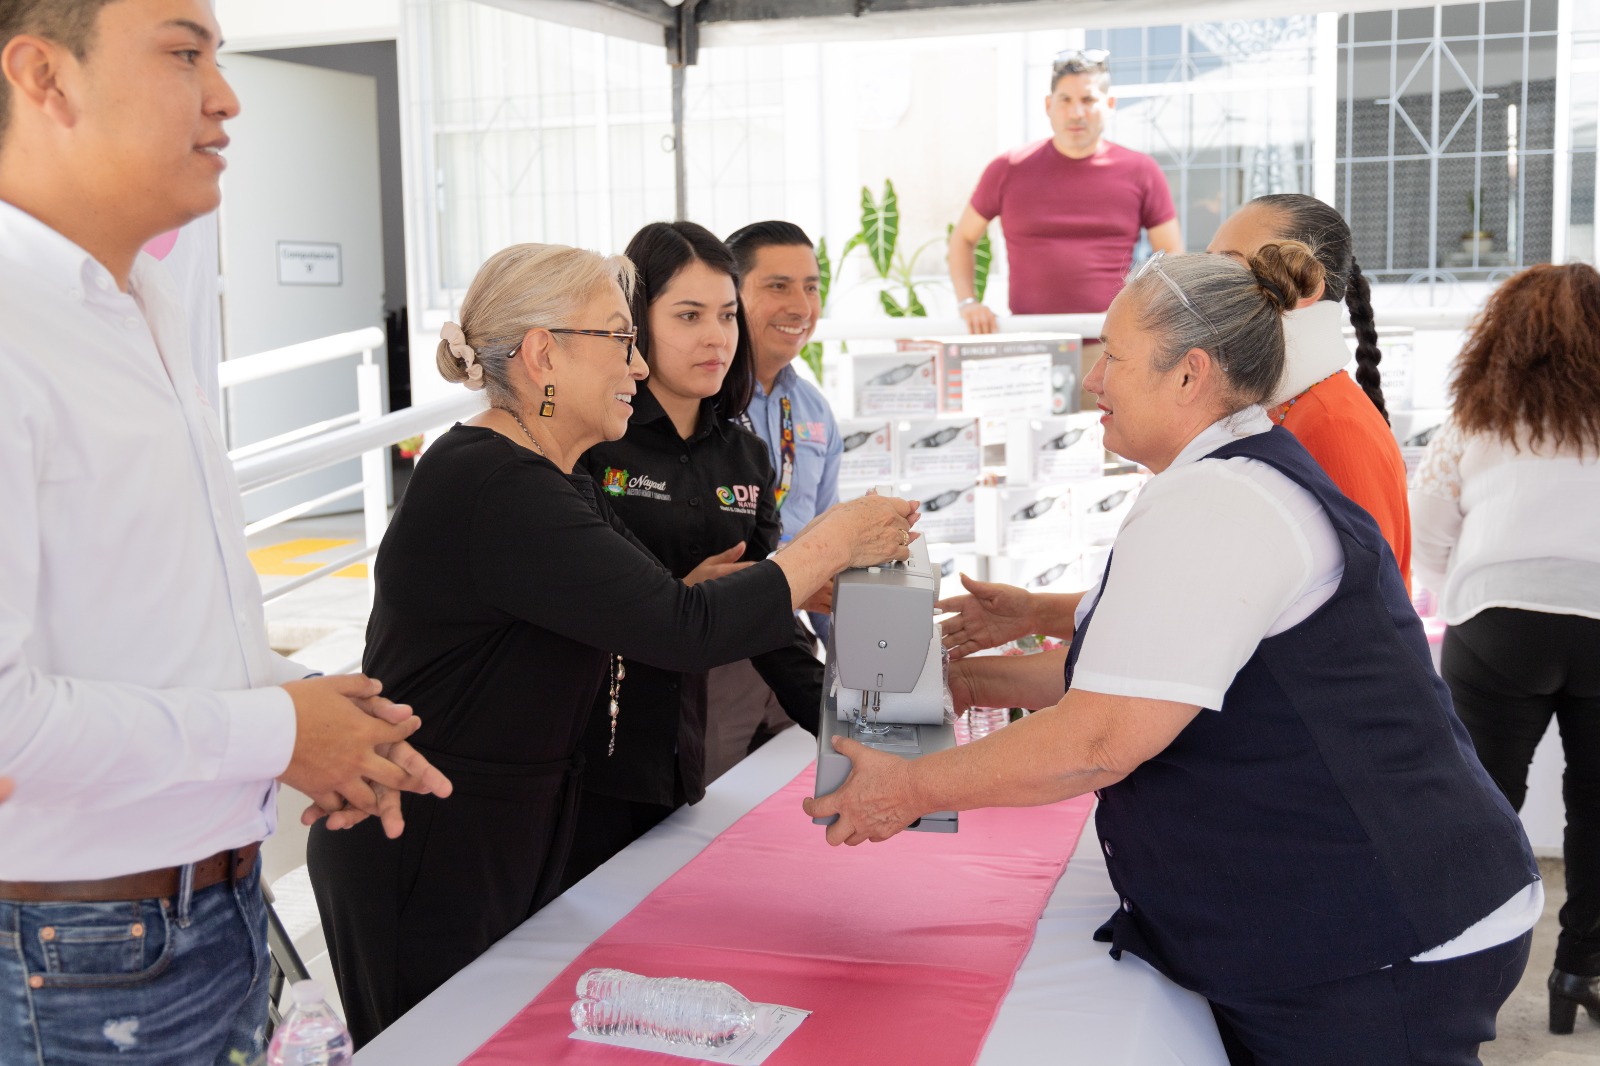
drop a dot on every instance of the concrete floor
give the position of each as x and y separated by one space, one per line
1524 1038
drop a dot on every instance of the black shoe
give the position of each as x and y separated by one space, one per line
1568 992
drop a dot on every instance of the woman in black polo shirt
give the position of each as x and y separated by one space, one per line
696 488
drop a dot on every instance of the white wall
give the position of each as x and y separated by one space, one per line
252 24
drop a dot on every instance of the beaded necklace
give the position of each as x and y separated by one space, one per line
1283 410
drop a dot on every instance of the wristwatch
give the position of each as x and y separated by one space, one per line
968 302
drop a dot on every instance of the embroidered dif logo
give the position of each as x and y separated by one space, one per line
614 482
739 495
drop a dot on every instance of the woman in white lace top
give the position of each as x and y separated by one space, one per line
1506 531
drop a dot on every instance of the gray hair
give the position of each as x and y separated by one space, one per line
523 287
1236 314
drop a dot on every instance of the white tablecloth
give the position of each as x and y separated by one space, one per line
1070 1001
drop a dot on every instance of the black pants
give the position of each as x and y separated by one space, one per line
606 826
1408 1014
1509 671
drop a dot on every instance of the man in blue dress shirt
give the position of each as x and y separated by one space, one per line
780 287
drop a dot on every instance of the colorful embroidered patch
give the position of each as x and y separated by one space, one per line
614 482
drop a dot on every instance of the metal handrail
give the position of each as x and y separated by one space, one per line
261 447
257 472
348 559
306 507
362 342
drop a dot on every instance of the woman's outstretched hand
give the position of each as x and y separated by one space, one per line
987 617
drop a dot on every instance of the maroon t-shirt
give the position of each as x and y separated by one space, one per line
1071 224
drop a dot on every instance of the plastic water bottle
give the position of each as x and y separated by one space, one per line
679 1010
311 1034
981 721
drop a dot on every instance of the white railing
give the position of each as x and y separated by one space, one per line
369 406
370 440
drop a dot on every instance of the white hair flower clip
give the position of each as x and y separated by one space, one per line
452 335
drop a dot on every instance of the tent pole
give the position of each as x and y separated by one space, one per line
683 52
680 177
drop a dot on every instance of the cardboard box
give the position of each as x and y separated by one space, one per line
1061 449
951 561
868 450
945 448
905 384
949 509
1063 571
1397 368
1001 375
1027 519
1101 505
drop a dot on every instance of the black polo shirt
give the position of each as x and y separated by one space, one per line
685 500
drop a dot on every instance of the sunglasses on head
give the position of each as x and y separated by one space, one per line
1082 61
1153 266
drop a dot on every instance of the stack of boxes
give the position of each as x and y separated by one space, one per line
983 431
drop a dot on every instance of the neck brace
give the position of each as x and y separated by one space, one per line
1314 348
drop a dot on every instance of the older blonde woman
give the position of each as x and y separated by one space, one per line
1319 853
507 595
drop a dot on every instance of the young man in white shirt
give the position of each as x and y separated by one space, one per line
142 713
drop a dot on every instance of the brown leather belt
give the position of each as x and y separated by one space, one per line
229 865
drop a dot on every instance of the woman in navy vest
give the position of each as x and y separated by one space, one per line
1293 818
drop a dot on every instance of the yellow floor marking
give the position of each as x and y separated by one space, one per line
279 559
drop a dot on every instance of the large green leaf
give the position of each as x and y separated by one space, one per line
812 354
891 306
913 305
825 274
982 256
880 226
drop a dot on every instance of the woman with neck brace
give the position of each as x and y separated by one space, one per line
1340 421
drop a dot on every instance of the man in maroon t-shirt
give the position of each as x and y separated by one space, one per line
1071 207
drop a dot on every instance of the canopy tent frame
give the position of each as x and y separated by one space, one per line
681 27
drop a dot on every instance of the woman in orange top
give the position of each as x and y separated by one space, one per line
1342 423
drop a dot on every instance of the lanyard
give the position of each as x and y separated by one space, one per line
785 448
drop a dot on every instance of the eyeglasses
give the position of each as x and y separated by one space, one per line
1081 61
1153 266
627 337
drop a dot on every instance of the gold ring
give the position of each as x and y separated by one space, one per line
905 538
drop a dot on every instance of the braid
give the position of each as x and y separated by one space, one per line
1358 297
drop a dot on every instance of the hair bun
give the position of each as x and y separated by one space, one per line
1287 272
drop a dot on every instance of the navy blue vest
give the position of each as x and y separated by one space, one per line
1332 818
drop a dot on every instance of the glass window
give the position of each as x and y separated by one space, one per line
1446 143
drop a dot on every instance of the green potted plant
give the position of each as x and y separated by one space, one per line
878 236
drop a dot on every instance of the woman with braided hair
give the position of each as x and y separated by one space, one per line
1342 423
1315 849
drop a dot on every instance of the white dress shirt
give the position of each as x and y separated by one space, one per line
1494 525
138 711
1230 552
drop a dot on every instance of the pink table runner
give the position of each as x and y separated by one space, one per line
902 950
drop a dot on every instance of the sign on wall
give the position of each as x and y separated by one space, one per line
307 263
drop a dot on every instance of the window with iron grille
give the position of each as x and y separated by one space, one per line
1447 143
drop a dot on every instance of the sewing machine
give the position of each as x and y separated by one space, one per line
884 684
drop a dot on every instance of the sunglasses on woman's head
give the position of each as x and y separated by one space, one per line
1153 266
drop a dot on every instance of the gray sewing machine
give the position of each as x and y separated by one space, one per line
884 684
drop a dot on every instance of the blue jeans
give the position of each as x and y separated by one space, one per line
179 981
